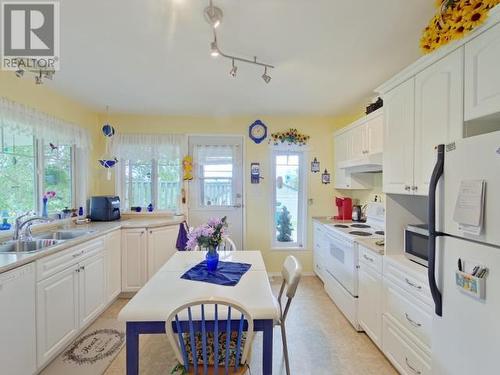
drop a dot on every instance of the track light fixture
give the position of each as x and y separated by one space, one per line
213 15
233 71
19 73
39 75
266 77
39 79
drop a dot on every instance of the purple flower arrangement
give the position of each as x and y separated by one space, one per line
208 235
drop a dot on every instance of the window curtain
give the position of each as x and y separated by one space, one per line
20 119
216 154
170 147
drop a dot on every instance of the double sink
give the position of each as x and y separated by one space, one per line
41 241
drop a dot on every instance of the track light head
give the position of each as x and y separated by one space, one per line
233 71
214 50
38 80
19 73
267 78
48 75
213 15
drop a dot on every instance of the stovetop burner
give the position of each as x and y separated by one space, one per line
360 233
341 226
360 226
380 232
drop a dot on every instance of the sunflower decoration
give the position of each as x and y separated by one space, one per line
453 20
290 136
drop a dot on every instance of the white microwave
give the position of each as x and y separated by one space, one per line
416 243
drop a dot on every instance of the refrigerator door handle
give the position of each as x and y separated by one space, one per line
431 272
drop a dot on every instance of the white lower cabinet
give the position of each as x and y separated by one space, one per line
161 246
370 296
134 259
113 263
319 250
92 288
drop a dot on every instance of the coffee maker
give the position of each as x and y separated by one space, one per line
344 207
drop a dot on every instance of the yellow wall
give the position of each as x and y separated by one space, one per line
258 198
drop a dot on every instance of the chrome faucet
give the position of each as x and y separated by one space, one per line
22 229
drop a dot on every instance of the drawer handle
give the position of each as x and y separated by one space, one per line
78 254
368 258
411 367
412 284
412 322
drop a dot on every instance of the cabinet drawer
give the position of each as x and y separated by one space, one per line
370 258
55 263
407 359
417 286
398 304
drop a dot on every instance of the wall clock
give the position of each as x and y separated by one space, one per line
257 131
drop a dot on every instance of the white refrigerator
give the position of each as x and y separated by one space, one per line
466 327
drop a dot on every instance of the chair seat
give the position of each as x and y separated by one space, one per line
210 348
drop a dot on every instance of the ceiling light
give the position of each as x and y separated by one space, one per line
214 50
213 15
233 71
265 76
19 73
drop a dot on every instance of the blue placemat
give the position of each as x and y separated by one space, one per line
227 273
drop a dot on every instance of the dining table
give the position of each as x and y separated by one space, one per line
149 308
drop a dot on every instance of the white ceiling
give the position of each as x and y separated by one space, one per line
152 56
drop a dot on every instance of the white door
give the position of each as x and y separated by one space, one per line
482 76
134 259
57 313
217 188
113 265
399 106
370 302
161 246
92 288
438 113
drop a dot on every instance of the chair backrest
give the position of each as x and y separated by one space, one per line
197 319
227 244
291 272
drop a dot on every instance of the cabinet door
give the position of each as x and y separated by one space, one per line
374 135
134 259
113 265
92 288
370 303
357 141
57 313
341 149
438 113
482 75
161 246
399 106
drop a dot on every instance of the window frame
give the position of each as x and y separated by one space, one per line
301 243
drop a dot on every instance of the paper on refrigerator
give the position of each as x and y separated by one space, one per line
469 208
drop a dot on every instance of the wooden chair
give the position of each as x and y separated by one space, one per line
203 325
227 244
291 272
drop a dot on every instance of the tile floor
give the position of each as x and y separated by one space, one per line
321 341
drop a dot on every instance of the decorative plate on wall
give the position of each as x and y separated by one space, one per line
257 131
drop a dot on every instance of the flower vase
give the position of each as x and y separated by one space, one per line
45 212
212 258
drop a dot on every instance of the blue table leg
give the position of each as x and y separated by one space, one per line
132 349
267 349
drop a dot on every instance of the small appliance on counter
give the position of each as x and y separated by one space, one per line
357 213
416 243
104 208
344 206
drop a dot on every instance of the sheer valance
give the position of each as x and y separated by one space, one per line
149 146
20 119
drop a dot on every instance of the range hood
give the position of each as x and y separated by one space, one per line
368 163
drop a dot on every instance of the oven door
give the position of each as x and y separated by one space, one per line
341 262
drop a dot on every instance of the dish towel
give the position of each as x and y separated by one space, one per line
182 237
227 273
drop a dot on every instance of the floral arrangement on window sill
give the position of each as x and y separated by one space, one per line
290 136
453 20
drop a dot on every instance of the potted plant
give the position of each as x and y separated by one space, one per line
208 236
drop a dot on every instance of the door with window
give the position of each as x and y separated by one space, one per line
217 187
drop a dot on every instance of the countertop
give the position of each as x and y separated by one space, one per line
370 244
330 220
9 261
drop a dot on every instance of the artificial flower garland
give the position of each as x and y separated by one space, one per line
291 136
453 20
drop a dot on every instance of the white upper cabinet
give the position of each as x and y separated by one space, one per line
438 114
374 135
357 138
482 75
399 112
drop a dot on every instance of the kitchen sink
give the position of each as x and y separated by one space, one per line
27 246
64 234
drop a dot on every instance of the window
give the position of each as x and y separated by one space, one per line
289 196
21 157
152 181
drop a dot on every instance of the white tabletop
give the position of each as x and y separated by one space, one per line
166 290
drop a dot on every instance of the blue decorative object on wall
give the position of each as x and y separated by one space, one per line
257 131
108 163
108 130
